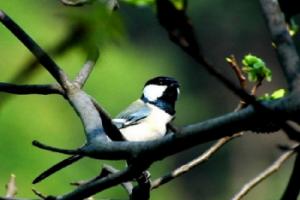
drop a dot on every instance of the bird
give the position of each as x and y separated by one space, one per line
146 119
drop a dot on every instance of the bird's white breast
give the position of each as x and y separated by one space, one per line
150 128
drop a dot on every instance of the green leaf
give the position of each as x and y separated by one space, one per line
293 27
256 68
278 94
178 4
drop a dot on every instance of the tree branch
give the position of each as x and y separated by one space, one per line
293 187
75 36
126 185
91 188
35 49
31 89
39 194
192 164
11 187
106 170
285 48
189 136
181 32
53 149
6 198
11 190
96 126
87 68
264 174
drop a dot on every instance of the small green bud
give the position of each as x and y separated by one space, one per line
278 94
256 68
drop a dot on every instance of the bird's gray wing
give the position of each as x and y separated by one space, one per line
132 115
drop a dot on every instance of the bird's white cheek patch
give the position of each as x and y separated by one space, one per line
153 92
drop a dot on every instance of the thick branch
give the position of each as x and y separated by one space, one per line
189 136
89 115
31 89
285 48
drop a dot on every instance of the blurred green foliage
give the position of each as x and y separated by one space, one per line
133 48
178 3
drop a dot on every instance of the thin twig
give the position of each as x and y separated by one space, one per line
197 161
264 174
106 170
39 194
191 164
91 188
87 68
31 89
54 149
237 69
256 86
7 198
58 166
11 187
126 185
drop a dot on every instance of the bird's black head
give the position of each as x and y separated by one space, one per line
163 92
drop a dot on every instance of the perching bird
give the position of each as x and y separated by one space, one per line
145 119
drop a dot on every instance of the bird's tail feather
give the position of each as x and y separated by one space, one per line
58 166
